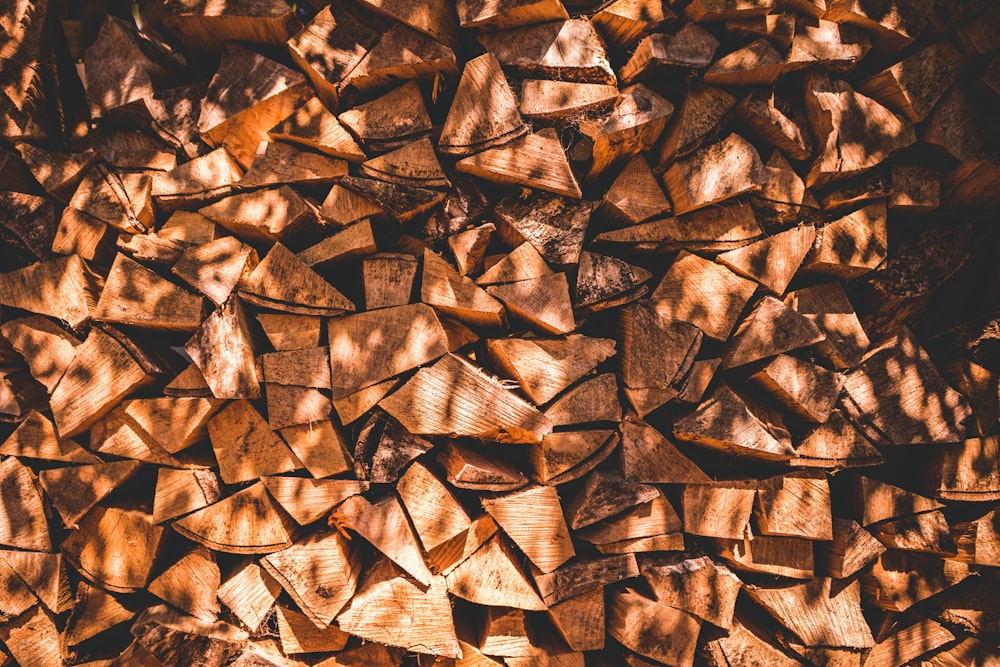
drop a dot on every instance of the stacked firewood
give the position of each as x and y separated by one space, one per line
508 332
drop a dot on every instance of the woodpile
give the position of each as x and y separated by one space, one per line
515 332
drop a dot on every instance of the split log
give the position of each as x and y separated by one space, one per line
568 51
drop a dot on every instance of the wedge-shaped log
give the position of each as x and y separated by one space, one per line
115 548
795 505
648 456
390 121
770 329
312 125
533 519
568 51
223 351
807 391
191 584
772 261
713 174
75 489
216 267
63 288
553 225
246 522
545 367
508 14
851 549
534 160
444 288
697 585
453 396
491 576
831 311
136 296
263 216
653 630
245 446
542 302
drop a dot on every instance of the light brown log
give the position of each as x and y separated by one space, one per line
647 456
47 348
852 245
291 332
44 574
491 576
298 634
535 160
354 406
201 180
807 391
795 505
542 302
33 638
385 525
215 268
724 421
36 438
834 111
543 99
567 50
136 296
713 174
172 637
592 400
783 199
770 329
24 526
470 128
471 467
320 446
743 644
624 22
469 247
401 53
851 549
223 351
830 310
580 620
58 173
646 520
900 579
604 494
284 282
819 612
82 234
413 164
115 548
690 47
355 240
245 446
246 522
635 195
388 279
553 225
755 63
927 532
833 45
263 216
505 633
790 557
655 351
522 263
250 593
63 288
313 126
181 491
772 261
277 163
882 402
532 518
508 13
191 584
390 121
698 586
720 509
543 368
632 127
717 303
958 471
651 629
74 490
894 26
402 202
444 288
116 435
567 455
437 516
700 111
910 643
872 501
585 574
915 84
101 374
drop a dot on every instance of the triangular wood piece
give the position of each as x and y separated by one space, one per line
395 448
116 435
173 423
353 241
790 557
354 406
779 122
533 519
772 261
246 522
604 494
469 247
584 574
122 201
45 574
414 164
436 514
605 282
871 501
94 611
385 525
852 245
851 549
214 268
841 120
522 263
47 348
57 173
834 45
505 634
471 467
277 163
543 99
653 630
635 196
182 491
320 573
699 586
592 400
552 50
402 202
535 160
546 367
299 634
247 96
701 110
469 127
772 328
401 53
291 332
386 594
690 47
756 63
566 455
263 216
307 500
36 438
648 456
713 306
250 593
491 577
713 174
436 18
114 548
284 282
835 444
388 278
554 225
191 584
24 525
75 489
446 289
828 306
313 126
651 519
783 199
580 620
541 302
910 643
391 121
246 447
655 352
33 638
724 421
231 374
834 619
63 288
201 180
624 22
795 504
18 596
370 347
497 16
901 579
805 390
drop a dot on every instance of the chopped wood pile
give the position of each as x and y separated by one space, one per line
508 332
